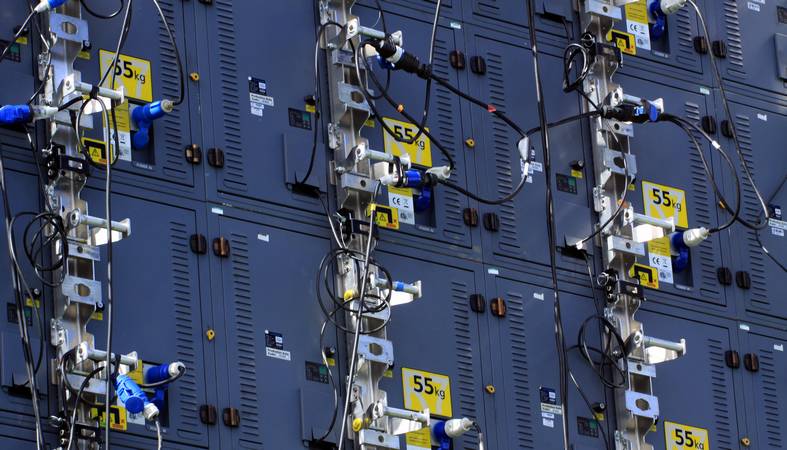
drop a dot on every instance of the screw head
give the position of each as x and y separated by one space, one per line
194 76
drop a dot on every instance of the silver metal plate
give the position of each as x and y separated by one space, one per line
378 439
376 349
75 287
642 405
68 28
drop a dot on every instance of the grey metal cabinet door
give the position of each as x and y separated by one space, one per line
17 76
767 398
261 73
159 303
149 72
670 50
271 330
441 335
15 394
755 36
441 222
527 399
758 278
667 164
697 390
521 225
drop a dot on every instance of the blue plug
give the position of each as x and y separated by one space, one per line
143 117
46 5
133 398
658 28
680 261
15 114
164 372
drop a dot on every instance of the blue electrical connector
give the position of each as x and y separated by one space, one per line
143 117
133 398
46 5
657 28
680 261
15 114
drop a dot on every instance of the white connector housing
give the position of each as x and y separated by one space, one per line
441 172
176 368
695 236
672 6
150 412
457 427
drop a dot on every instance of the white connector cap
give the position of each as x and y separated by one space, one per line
695 236
176 368
457 427
672 6
441 172
150 412
43 112
524 147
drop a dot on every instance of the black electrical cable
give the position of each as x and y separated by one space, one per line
52 225
108 209
731 119
93 13
19 283
359 318
590 409
687 127
82 387
178 61
542 117
317 112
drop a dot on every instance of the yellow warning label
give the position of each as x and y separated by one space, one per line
647 276
370 123
310 108
21 40
420 151
577 174
417 440
626 42
664 202
660 246
427 390
637 11
84 54
117 416
96 149
138 374
684 437
33 304
384 216
134 74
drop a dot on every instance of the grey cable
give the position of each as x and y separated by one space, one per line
357 334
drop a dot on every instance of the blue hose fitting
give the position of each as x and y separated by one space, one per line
15 114
143 117
680 261
130 394
657 28
164 372
441 436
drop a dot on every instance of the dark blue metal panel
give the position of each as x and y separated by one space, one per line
508 84
14 395
448 342
162 165
665 156
497 14
672 50
158 303
443 220
18 71
750 31
528 366
268 284
761 132
767 394
710 403
265 150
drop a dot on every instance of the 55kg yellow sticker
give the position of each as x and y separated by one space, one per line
133 74
684 437
664 202
420 151
427 390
